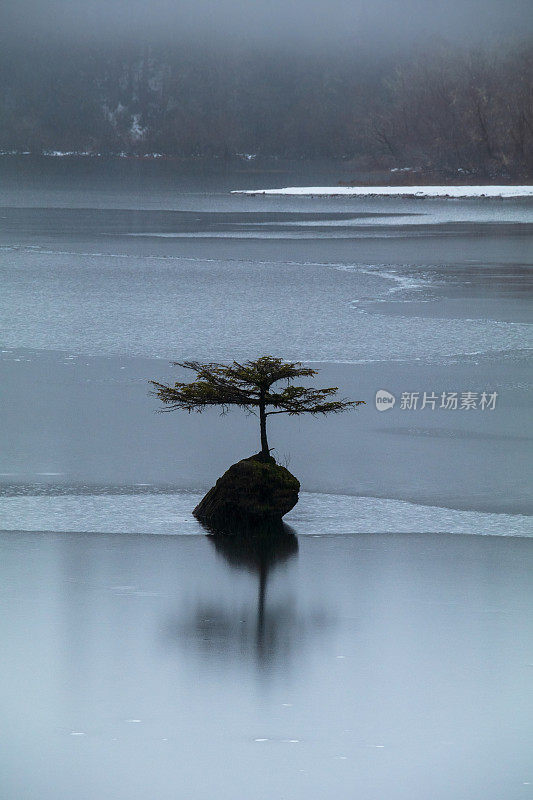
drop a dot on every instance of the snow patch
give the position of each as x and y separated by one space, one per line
401 191
137 132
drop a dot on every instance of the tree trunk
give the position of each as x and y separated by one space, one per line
263 423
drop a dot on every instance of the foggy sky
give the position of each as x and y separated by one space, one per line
298 23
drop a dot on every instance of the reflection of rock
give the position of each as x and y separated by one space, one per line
263 630
267 631
254 491
258 553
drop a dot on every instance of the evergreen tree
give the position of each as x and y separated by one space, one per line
250 386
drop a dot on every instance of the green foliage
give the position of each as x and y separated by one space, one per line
248 385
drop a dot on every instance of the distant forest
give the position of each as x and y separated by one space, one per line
435 108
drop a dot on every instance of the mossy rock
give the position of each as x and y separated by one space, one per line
253 492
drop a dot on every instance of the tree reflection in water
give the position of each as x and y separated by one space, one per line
260 555
265 633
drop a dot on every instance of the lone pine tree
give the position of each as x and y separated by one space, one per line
250 386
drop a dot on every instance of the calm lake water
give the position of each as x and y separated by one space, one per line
370 666
385 651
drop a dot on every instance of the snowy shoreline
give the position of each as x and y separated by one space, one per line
401 191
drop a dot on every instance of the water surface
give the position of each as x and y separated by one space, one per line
111 270
371 666
384 650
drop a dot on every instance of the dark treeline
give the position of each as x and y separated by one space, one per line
438 108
